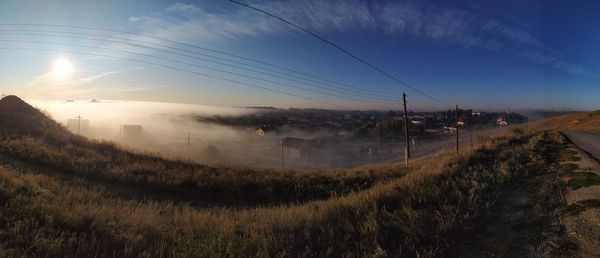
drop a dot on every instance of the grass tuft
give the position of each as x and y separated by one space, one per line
583 179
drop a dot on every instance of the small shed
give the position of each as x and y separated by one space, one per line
132 131
261 131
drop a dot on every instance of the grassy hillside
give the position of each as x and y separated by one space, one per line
574 121
30 138
62 195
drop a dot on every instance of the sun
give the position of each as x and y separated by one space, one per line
62 68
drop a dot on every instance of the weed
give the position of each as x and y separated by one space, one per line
577 208
583 179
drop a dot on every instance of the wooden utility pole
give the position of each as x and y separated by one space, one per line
78 124
469 128
282 156
407 144
189 140
456 129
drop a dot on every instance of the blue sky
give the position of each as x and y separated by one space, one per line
517 54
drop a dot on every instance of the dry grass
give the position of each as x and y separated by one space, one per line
422 213
381 211
207 185
589 121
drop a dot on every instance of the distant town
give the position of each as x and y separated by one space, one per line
307 137
376 125
339 138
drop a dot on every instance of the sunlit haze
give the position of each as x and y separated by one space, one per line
62 68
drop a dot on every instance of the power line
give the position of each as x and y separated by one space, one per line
279 75
320 85
342 50
362 99
414 106
196 47
181 70
410 106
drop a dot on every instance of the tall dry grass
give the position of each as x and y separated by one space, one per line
208 185
421 214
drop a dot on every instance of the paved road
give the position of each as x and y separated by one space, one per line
588 141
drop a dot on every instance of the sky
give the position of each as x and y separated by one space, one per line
478 54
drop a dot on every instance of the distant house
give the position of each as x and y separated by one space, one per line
309 150
417 120
450 129
441 116
131 131
261 131
343 133
435 131
501 120
475 113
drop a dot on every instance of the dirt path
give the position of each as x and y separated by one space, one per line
582 219
524 220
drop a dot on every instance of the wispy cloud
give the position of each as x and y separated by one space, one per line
47 85
203 25
183 8
192 23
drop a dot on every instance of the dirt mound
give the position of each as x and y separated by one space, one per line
19 118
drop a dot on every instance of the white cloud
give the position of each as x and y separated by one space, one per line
183 8
395 18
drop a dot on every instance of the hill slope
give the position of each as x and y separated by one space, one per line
33 140
59 196
19 118
575 121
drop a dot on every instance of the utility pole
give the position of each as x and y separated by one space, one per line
471 135
407 144
282 156
189 140
78 124
456 129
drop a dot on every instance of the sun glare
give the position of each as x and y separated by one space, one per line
62 68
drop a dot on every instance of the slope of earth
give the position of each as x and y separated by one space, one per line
525 221
61 195
30 141
588 121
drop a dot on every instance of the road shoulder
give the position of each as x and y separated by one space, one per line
581 219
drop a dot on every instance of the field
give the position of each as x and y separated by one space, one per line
62 195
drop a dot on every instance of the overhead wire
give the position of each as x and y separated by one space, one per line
362 99
394 78
181 70
194 52
285 76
